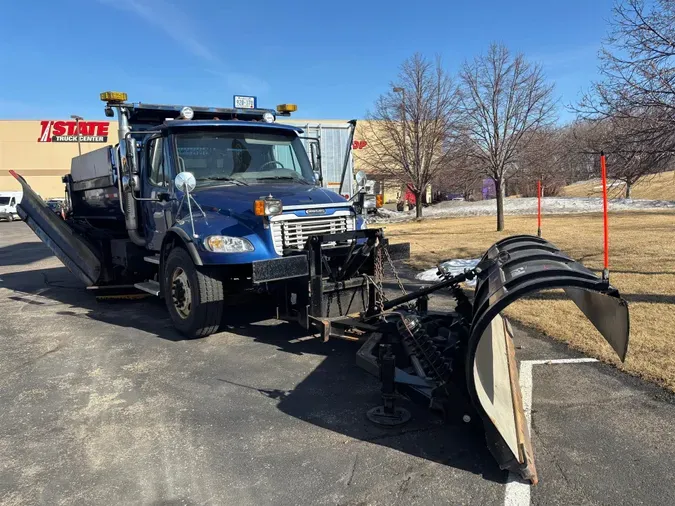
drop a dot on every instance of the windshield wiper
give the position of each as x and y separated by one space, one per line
223 178
283 177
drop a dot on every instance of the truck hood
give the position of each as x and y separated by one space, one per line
240 198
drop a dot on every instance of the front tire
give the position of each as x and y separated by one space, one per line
193 296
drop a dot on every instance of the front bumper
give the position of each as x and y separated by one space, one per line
277 269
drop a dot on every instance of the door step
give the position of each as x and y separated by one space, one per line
151 287
152 259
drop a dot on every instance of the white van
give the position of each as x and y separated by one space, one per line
8 202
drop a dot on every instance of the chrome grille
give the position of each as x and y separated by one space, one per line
292 232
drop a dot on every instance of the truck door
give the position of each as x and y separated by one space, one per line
157 211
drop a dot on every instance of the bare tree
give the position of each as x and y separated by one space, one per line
544 159
638 76
461 177
627 164
505 100
410 130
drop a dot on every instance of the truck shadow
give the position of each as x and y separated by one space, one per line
36 288
23 253
337 394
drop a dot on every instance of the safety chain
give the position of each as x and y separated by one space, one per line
330 301
379 279
339 299
393 269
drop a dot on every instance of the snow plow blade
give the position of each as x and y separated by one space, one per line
514 268
78 255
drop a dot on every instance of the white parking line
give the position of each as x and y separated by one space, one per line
517 491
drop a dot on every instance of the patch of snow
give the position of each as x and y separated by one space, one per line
522 206
454 267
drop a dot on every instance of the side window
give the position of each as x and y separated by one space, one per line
157 175
284 154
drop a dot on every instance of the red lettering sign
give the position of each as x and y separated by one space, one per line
67 131
359 144
59 129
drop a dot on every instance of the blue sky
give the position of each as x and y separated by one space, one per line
331 58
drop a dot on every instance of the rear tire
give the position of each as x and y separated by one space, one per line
193 296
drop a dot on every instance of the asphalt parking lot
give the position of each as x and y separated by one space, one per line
103 402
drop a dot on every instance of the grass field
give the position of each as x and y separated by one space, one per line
659 187
642 267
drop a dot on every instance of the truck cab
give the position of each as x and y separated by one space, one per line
255 191
195 203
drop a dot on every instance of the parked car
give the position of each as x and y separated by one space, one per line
56 205
8 202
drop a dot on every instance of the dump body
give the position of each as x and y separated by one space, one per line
93 187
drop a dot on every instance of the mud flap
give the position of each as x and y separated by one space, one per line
77 254
513 268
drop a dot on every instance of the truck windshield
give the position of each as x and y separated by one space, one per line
4 201
247 158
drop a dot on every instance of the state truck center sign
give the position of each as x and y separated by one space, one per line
67 131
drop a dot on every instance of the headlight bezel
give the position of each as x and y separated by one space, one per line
268 206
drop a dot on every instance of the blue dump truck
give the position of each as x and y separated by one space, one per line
195 204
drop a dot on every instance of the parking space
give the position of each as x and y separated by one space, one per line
104 402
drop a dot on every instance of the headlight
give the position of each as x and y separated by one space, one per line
268 117
227 244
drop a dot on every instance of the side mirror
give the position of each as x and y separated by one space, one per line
315 153
185 182
132 155
361 179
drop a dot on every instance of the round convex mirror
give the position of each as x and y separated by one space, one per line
185 181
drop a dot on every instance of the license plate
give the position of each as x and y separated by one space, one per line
241 102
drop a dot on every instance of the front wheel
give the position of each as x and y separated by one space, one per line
193 296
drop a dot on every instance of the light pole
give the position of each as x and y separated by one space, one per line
77 128
402 92
398 89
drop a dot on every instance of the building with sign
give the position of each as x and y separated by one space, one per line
42 150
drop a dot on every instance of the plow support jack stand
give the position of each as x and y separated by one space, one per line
522 265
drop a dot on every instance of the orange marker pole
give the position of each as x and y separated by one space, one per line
603 168
539 208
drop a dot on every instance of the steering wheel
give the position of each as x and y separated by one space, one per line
281 165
